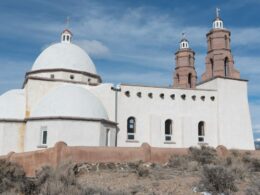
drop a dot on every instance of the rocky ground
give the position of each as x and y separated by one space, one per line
200 171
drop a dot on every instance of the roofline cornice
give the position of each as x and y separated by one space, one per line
64 70
220 77
55 80
104 121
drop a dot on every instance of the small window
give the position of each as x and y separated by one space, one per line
150 95
212 98
173 96
107 137
127 93
193 97
168 130
64 37
131 128
162 96
139 94
202 98
52 76
71 76
201 131
44 135
183 96
68 37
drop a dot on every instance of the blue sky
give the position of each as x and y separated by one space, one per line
129 41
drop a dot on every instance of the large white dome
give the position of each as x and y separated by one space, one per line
70 101
64 56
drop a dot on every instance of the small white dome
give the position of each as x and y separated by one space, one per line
64 56
12 105
70 101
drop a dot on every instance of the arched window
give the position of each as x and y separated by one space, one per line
226 67
131 128
168 130
190 60
212 67
178 78
201 131
189 80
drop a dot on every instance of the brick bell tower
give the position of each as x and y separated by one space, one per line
219 59
185 75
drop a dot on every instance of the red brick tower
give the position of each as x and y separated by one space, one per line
185 75
219 59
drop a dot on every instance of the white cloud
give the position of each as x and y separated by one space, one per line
94 48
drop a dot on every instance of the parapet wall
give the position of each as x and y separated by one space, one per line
32 161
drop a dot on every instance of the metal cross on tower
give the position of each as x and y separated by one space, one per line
217 12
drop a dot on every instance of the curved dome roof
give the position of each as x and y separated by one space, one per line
64 55
12 104
70 101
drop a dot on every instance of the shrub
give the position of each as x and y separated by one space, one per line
61 180
12 178
254 165
178 162
217 179
142 171
203 155
254 188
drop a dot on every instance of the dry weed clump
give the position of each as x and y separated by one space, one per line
179 162
12 178
254 188
203 155
217 179
61 180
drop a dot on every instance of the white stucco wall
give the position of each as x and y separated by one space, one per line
10 137
151 113
74 133
234 121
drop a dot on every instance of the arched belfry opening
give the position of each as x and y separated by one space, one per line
212 67
190 80
226 68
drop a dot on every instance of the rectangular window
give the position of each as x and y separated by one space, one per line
44 135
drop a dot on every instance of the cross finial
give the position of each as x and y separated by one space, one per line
217 12
183 35
67 22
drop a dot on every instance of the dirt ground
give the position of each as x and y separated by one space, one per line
160 180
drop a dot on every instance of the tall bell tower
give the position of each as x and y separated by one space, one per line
219 59
185 75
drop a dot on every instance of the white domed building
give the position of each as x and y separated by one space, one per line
63 99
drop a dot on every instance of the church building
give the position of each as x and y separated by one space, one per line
64 99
